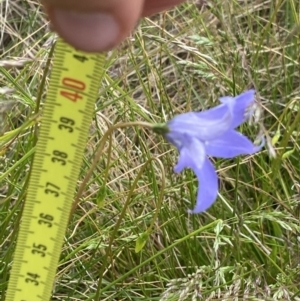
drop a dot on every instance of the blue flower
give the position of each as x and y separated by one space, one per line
198 135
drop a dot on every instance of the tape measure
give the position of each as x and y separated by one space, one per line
67 114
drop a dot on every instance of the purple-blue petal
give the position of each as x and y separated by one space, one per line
208 187
204 126
191 154
230 145
240 106
217 112
211 132
226 99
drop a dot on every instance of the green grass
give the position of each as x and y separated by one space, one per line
246 247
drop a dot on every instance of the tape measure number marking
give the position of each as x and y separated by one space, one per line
67 114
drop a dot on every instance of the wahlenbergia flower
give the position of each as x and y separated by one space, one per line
198 135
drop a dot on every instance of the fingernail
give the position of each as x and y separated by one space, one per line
92 32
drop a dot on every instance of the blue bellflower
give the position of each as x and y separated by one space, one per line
198 135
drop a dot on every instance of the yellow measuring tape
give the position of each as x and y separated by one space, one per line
67 114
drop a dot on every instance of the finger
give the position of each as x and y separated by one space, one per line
154 6
93 25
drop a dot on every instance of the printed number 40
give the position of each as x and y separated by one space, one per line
72 84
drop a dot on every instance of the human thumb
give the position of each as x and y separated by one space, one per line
93 25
